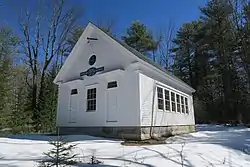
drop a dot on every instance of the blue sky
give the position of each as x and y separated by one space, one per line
156 14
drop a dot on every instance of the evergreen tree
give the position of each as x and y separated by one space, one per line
211 55
48 112
141 39
8 42
60 155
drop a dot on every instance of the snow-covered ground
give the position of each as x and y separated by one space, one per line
211 146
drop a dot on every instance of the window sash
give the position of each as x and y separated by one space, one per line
91 99
112 84
186 105
182 105
167 100
74 92
178 103
171 101
160 98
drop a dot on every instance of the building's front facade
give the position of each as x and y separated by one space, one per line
106 89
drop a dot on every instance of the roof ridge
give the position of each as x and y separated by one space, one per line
142 57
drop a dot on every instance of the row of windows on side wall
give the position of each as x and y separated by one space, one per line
172 101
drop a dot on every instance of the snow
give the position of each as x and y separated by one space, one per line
211 145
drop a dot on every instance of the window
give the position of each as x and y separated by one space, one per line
91 99
112 84
170 101
160 98
186 105
167 100
178 103
182 105
92 60
173 101
73 91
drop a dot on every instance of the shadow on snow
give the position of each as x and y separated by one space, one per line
69 138
237 138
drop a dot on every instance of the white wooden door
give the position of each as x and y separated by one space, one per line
73 107
112 105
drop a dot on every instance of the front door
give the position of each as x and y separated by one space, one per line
112 105
73 106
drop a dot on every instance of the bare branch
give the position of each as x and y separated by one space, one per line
166 45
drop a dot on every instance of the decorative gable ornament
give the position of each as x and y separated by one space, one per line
92 71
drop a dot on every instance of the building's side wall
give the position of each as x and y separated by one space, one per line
128 102
161 119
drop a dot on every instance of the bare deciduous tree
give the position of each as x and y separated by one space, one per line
44 44
106 25
166 44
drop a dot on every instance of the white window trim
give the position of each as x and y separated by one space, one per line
174 102
159 84
168 100
177 102
86 98
183 112
181 94
162 98
188 105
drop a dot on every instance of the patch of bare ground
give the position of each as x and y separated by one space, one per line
154 141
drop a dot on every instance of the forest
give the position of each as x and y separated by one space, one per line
212 54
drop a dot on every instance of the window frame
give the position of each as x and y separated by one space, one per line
112 84
92 99
186 101
173 94
178 102
168 100
74 91
173 102
183 109
161 98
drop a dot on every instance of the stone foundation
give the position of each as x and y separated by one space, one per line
131 133
165 131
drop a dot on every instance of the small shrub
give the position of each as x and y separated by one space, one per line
60 155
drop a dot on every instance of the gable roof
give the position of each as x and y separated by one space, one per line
131 50
145 58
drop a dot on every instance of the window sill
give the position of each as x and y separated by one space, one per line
90 110
160 110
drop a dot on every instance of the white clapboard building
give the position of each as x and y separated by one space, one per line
107 88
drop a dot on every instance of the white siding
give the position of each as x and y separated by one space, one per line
108 55
160 118
135 90
63 99
128 101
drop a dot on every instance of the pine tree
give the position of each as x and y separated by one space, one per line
48 112
141 39
60 155
8 42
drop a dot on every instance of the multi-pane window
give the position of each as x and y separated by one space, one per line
178 103
182 105
173 101
160 98
186 105
167 100
91 99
